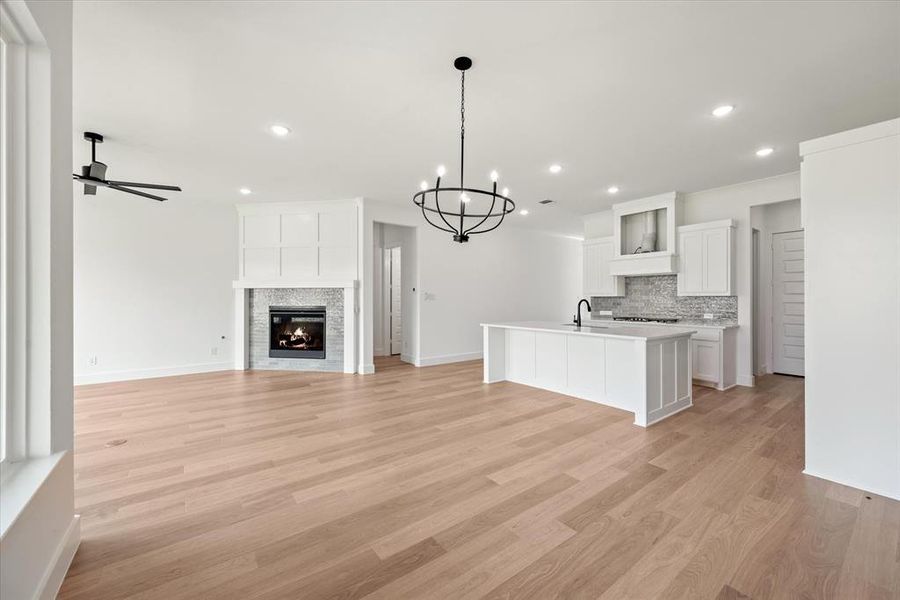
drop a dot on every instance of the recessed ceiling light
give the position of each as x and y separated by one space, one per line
523 212
612 189
505 192
423 186
555 169
279 130
721 111
245 191
765 151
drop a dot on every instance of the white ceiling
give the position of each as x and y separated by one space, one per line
618 93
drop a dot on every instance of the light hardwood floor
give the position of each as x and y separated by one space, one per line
425 483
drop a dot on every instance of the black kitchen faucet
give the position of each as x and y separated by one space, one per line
577 318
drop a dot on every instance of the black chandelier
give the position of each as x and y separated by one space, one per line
454 216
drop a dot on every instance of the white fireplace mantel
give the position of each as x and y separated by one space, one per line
282 283
242 289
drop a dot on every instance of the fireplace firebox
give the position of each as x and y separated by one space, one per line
296 332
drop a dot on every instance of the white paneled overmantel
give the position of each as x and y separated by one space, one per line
308 241
293 245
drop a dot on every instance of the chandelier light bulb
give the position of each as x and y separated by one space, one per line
423 186
441 171
494 176
464 198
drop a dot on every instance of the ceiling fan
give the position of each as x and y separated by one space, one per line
94 174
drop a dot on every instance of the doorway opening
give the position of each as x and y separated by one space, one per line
778 289
393 291
393 298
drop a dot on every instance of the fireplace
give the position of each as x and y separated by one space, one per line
297 332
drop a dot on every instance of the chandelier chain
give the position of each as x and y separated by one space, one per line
462 105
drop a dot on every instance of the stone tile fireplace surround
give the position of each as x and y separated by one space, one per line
252 341
333 301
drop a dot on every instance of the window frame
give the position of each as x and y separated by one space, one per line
24 199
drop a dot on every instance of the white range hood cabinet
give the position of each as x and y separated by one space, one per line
630 225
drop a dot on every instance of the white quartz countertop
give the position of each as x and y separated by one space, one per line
617 330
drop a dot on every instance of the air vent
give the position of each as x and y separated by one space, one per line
547 201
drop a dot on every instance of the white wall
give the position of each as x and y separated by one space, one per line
730 202
770 219
153 292
38 542
508 274
851 216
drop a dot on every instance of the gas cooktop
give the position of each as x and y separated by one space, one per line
647 319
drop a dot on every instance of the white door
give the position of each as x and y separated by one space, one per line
787 302
395 303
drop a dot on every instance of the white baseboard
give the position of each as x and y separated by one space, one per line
130 374
448 358
62 559
408 358
367 369
855 484
746 381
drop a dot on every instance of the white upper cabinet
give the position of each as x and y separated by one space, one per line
706 259
597 280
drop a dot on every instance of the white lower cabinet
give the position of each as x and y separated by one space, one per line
713 357
706 360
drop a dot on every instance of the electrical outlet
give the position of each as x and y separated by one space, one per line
708 316
214 351
92 360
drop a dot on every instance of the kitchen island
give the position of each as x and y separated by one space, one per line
642 369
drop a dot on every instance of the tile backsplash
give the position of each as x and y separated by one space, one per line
656 296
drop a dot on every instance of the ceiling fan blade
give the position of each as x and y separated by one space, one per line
152 186
112 186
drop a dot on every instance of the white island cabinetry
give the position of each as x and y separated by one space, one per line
645 370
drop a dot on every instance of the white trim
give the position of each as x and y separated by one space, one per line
275 208
745 381
708 225
430 361
367 369
311 283
407 358
849 138
21 481
132 374
853 484
59 564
